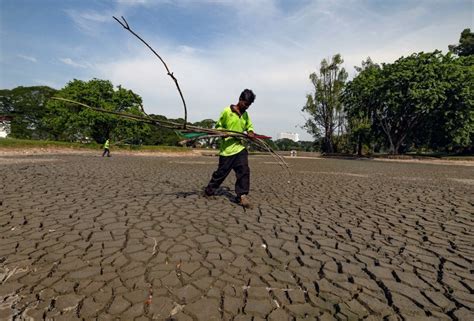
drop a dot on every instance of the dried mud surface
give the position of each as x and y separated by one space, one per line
131 238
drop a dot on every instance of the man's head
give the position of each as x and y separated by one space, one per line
247 97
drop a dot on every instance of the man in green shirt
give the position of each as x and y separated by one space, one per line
106 148
233 155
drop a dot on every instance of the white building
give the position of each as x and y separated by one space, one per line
293 136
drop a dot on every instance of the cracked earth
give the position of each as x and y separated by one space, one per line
132 238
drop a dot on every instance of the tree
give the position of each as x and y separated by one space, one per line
450 126
206 123
286 144
325 106
422 101
72 123
466 44
162 136
409 90
26 106
360 102
309 146
206 142
459 105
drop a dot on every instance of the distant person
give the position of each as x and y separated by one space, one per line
233 155
106 148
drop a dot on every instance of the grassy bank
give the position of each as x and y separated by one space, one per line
408 156
428 156
13 143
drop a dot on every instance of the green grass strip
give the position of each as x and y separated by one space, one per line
14 143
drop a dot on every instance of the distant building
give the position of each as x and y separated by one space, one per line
293 136
5 125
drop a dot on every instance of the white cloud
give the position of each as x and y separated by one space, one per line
29 58
89 21
138 2
70 62
187 49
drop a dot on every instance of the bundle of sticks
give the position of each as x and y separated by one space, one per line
192 132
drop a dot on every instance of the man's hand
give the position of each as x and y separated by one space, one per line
251 135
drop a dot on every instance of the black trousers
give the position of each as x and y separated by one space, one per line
240 164
106 152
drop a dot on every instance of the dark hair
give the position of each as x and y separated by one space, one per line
247 95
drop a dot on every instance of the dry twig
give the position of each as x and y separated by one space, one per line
125 25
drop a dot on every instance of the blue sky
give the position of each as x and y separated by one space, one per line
216 48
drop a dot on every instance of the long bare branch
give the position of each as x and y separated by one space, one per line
125 25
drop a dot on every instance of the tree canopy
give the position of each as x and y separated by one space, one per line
423 100
26 105
466 44
68 122
35 116
324 106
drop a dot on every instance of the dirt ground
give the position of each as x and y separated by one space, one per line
132 238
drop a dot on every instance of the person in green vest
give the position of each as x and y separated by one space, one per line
106 148
233 155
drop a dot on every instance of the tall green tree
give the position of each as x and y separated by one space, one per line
466 44
325 105
26 105
360 102
409 90
69 122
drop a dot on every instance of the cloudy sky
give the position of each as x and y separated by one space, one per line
216 48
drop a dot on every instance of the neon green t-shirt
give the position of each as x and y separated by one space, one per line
106 145
231 121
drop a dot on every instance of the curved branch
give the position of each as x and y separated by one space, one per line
125 25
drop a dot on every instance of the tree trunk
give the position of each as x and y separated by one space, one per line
328 146
392 150
359 146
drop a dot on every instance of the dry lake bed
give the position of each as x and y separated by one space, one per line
132 238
